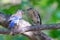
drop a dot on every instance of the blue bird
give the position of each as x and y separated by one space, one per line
14 19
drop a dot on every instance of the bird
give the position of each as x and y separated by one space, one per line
36 20
34 15
14 19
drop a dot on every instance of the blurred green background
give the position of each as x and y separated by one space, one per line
48 9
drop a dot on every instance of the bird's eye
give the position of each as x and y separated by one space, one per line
9 21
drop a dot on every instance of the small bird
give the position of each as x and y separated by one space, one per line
14 21
34 15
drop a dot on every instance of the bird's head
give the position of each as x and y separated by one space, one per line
19 13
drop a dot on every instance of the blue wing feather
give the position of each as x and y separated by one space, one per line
11 24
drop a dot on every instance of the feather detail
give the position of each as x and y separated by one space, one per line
14 19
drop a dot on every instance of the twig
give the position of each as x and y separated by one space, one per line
4 31
35 28
42 27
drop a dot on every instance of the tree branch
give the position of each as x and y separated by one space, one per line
42 27
34 28
4 31
30 28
